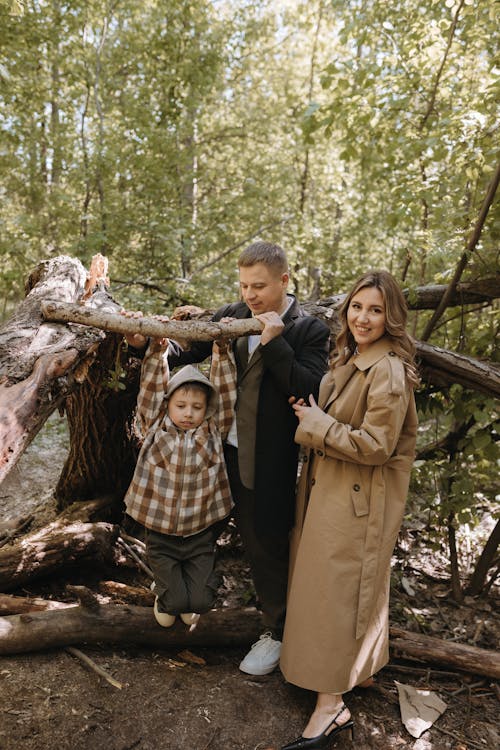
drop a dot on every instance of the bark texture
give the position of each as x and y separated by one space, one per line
53 548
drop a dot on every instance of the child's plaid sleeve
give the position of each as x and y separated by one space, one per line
223 376
154 381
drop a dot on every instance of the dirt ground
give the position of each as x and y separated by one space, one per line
199 700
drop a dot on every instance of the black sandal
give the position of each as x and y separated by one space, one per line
322 741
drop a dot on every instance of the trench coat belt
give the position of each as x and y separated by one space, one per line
371 562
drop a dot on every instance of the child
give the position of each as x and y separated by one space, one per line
180 489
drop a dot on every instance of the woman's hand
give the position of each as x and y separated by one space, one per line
300 407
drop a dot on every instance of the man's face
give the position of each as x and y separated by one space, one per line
263 288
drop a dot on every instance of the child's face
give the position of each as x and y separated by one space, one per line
187 407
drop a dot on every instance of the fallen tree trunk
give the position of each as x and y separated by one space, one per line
40 362
123 625
442 367
126 625
457 655
53 548
117 592
480 291
428 297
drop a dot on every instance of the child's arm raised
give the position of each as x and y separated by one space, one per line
154 380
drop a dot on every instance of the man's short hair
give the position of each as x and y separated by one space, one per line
264 252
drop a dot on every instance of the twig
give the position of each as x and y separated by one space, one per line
132 540
468 687
136 557
460 738
419 670
95 667
134 744
21 524
216 732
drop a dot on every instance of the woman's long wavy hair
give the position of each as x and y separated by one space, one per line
396 313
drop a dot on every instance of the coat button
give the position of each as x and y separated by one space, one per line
320 453
313 481
356 487
305 459
391 354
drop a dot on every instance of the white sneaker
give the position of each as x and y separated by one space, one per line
263 657
190 618
163 618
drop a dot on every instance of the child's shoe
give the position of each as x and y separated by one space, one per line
190 618
163 618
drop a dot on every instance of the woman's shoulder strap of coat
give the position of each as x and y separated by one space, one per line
396 374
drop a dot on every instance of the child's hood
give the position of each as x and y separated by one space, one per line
190 374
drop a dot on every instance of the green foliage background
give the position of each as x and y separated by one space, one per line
167 135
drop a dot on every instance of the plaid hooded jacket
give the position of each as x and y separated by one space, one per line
180 484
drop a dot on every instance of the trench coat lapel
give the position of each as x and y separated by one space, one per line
334 383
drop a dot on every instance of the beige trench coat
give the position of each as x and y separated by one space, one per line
350 505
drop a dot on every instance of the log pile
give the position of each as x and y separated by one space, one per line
121 615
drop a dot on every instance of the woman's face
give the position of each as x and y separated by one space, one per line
366 316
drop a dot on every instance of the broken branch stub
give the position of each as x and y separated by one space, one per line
185 330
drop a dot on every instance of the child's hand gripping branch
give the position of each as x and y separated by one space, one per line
138 340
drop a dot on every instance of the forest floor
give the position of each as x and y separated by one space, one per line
198 699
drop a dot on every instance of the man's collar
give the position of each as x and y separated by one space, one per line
289 300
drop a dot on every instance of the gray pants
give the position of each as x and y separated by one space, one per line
183 569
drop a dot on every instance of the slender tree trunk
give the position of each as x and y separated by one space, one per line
486 560
456 586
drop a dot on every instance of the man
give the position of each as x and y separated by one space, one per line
287 360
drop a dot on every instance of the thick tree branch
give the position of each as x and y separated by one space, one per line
189 330
443 367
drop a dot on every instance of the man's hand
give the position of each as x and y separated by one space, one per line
273 326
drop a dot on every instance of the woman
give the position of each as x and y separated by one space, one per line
352 491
